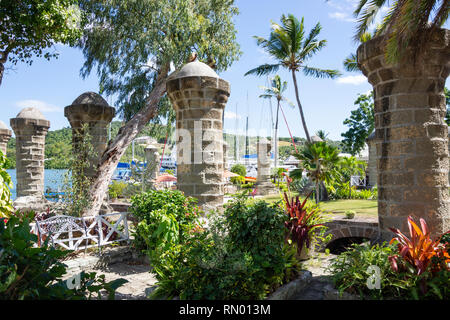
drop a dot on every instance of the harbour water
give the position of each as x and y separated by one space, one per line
53 180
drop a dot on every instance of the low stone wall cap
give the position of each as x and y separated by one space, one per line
90 98
3 125
194 69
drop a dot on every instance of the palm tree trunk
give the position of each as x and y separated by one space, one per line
117 148
276 138
317 191
300 107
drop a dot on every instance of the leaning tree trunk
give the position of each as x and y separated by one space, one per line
118 146
411 136
300 108
3 59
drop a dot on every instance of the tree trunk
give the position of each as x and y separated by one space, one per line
3 59
117 148
350 188
317 191
300 108
276 138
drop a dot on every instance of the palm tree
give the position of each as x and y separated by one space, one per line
289 46
349 166
320 160
276 90
322 134
408 23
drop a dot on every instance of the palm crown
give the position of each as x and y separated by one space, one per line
408 23
291 48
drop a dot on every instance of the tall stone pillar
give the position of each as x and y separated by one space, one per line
5 135
92 110
30 128
263 184
410 133
372 165
199 97
152 157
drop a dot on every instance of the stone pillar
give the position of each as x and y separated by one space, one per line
263 184
372 163
5 135
30 128
410 133
92 110
152 157
199 97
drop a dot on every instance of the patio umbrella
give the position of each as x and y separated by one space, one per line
229 174
165 178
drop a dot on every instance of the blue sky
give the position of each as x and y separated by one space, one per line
52 85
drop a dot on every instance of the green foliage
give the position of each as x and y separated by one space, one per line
241 255
143 35
350 273
116 189
408 24
361 124
35 273
29 27
337 190
76 180
350 214
164 218
241 171
5 189
320 160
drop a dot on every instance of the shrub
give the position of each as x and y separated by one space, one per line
28 272
241 255
116 189
350 214
159 214
350 271
5 193
241 171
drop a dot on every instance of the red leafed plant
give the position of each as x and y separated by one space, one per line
418 250
300 223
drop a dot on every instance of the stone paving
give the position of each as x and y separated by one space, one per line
140 280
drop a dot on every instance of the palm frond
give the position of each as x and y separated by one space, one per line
320 73
351 64
263 69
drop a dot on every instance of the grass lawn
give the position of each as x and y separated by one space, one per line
361 207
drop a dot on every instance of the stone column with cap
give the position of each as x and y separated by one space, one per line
5 135
410 133
372 162
199 97
92 111
152 157
263 184
30 128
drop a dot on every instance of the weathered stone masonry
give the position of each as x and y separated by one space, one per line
92 110
30 128
410 134
5 135
199 97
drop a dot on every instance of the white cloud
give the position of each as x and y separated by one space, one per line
341 16
355 80
41 105
231 115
